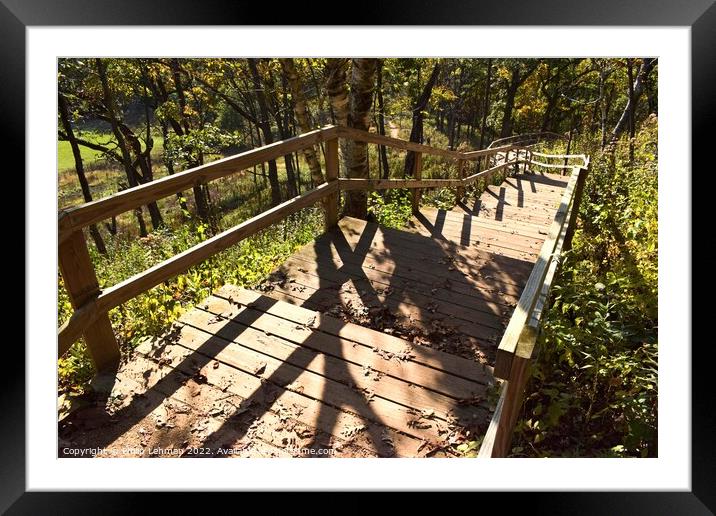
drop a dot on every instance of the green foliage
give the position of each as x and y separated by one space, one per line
595 382
391 208
151 313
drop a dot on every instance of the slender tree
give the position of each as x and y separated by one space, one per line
300 107
265 127
638 87
361 98
69 135
419 106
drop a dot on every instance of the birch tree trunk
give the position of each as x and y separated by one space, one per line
300 108
361 99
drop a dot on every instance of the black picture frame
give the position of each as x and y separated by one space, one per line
700 15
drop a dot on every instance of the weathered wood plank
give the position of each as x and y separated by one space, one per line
82 287
364 336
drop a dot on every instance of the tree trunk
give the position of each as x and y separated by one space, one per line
486 105
416 131
361 98
638 86
632 124
506 129
337 88
300 108
121 143
265 127
200 197
382 151
79 168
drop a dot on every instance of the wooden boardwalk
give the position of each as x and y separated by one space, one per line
366 342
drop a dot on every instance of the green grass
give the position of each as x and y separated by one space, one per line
93 158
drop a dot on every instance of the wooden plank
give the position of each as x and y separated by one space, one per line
508 344
511 405
485 283
378 410
571 225
143 281
332 172
485 152
337 270
456 222
394 252
337 368
82 286
460 193
456 387
410 315
131 198
329 278
363 136
485 174
364 336
295 405
469 235
349 184
417 174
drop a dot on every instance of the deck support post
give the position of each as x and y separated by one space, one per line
460 194
332 166
578 192
417 174
513 394
82 287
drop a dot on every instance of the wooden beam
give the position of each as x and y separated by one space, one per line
145 280
485 152
363 136
82 287
575 205
460 192
485 173
417 174
348 184
528 298
96 211
332 170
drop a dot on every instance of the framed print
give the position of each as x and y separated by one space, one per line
454 236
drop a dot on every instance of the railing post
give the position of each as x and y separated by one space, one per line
578 191
331 202
417 174
82 285
511 405
460 175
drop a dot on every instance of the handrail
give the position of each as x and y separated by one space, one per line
145 280
518 343
91 303
81 216
543 135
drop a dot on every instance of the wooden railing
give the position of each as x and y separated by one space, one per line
518 345
91 304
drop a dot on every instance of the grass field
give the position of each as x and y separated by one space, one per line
93 158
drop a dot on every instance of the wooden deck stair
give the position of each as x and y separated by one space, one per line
333 356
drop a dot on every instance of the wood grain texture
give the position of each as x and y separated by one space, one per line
82 287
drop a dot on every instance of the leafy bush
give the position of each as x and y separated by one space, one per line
594 388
